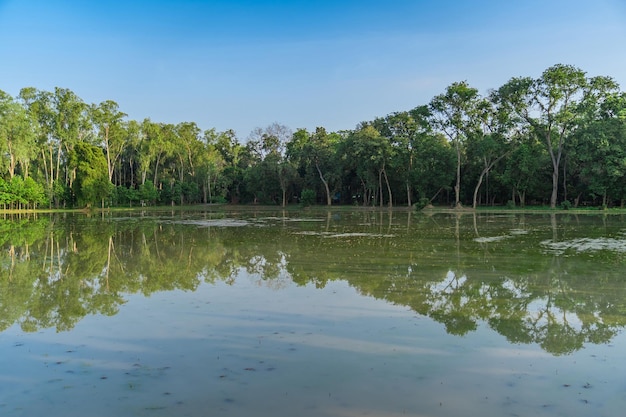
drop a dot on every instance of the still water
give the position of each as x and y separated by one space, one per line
312 313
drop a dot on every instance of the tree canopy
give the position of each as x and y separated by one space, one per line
557 139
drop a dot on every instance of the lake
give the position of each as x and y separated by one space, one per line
243 312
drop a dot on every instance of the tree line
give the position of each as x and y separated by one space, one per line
559 139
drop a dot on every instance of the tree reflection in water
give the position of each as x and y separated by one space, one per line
460 270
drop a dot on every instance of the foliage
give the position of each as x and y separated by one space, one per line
92 184
307 197
543 140
423 202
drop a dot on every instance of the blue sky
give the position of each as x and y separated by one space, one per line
244 64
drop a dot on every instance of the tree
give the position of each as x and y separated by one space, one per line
455 114
17 135
237 158
92 183
368 153
603 140
130 154
109 121
404 130
524 167
156 145
269 146
552 106
72 125
433 167
315 154
493 141
39 106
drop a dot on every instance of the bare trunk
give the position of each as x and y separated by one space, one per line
555 186
480 181
108 152
484 172
457 186
522 198
408 194
565 179
58 162
319 171
156 170
380 187
390 203
12 161
132 173
45 166
556 162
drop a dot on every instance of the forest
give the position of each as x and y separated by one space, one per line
558 140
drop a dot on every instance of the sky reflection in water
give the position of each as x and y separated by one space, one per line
329 342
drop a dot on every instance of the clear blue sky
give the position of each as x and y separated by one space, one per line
237 64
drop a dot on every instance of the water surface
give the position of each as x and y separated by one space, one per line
312 313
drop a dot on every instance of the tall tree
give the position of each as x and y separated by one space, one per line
17 135
39 106
109 122
211 165
269 145
552 105
368 153
493 141
455 113
92 184
315 153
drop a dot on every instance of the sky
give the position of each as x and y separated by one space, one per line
243 64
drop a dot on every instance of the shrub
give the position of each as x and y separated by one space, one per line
307 197
423 202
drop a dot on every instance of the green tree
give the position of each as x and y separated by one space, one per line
72 125
553 106
316 154
92 183
433 165
493 142
605 141
269 146
109 122
237 158
524 167
17 135
39 106
455 113
211 166
368 153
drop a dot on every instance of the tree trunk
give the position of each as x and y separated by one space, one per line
390 204
457 186
319 171
480 181
108 152
156 170
408 194
565 179
555 186
556 162
380 187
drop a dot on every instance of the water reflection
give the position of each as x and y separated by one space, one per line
527 277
